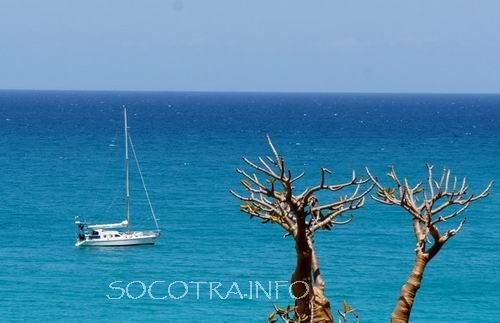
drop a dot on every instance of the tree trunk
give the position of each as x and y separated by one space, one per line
409 290
302 276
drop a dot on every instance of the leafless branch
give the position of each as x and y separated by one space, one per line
274 201
436 197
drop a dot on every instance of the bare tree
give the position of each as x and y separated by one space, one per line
274 200
426 205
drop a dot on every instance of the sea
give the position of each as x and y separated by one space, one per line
62 156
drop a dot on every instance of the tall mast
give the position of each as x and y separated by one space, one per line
127 190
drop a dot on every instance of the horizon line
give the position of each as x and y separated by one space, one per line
251 92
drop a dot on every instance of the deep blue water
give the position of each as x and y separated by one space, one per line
61 156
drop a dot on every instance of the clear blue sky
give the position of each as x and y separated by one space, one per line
251 45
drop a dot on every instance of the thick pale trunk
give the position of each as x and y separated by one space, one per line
302 275
409 290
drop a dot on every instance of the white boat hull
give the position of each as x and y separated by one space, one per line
128 239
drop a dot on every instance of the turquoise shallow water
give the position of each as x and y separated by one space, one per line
61 156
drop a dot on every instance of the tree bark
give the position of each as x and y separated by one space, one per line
409 290
302 276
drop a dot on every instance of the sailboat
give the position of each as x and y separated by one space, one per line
110 235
